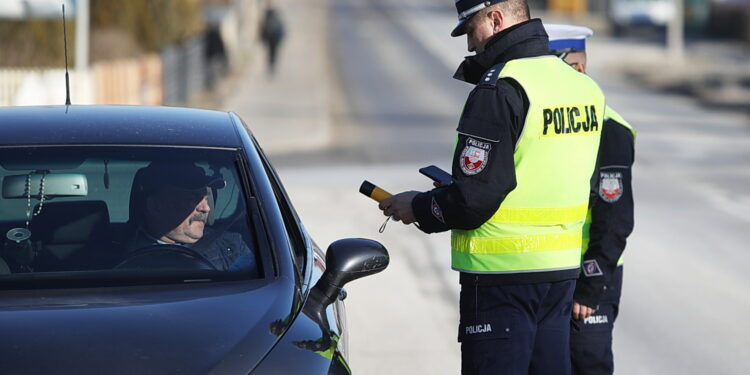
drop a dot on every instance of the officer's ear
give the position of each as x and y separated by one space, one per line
583 62
581 67
498 19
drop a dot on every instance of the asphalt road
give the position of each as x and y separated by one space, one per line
685 302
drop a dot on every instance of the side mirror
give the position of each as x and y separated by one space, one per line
347 260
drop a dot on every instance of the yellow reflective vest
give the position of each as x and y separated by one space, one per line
538 226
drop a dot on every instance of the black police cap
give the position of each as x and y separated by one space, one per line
466 9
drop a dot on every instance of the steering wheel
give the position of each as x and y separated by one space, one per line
166 256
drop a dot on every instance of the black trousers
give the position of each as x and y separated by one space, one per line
516 329
591 338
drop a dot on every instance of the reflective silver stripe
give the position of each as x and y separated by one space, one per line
476 8
513 272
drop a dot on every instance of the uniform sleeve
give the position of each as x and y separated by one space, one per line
611 213
483 168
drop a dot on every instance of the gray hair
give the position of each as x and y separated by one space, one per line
516 9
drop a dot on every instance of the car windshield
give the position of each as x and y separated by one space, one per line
97 216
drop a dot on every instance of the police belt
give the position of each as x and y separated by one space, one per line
466 278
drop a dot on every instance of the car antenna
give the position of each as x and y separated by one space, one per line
65 40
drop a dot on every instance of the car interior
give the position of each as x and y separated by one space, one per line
72 211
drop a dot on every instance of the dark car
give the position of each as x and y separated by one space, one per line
151 240
729 19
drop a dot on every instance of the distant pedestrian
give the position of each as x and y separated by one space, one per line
272 34
216 56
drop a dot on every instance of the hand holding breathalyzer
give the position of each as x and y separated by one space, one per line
399 207
369 189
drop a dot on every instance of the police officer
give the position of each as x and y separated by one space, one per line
610 221
527 143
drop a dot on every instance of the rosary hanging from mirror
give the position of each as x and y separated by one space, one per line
23 234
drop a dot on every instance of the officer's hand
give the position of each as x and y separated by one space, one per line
581 311
399 206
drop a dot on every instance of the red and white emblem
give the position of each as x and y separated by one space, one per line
474 156
610 186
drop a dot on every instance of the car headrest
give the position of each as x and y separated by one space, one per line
71 222
137 199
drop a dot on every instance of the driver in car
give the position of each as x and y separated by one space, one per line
175 208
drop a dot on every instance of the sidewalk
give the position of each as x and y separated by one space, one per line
715 72
289 112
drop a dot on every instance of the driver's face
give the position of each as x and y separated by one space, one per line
179 215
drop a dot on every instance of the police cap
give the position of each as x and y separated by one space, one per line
567 38
466 9
183 175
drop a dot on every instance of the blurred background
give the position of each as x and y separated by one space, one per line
362 89
162 52
175 52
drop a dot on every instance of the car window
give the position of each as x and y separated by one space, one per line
291 223
291 220
104 215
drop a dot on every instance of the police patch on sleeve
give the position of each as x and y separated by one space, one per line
591 268
437 211
474 156
610 186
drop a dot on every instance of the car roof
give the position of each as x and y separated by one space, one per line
140 125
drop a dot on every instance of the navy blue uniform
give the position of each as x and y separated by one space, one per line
600 283
228 251
509 323
515 329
